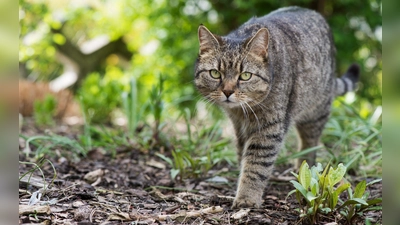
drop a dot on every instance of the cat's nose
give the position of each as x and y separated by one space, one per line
227 93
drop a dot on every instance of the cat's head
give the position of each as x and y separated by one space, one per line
232 72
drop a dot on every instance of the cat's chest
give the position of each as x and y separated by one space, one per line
243 120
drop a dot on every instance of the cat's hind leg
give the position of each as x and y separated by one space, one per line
310 132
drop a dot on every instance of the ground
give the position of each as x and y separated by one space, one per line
135 187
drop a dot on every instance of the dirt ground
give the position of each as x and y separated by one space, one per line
135 187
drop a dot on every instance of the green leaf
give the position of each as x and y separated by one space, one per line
354 201
371 203
304 175
326 210
314 186
336 175
350 192
300 188
163 157
374 201
342 188
334 199
315 170
322 177
310 196
374 181
174 173
360 189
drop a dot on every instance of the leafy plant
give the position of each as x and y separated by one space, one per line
357 202
353 136
198 151
131 106
44 111
100 96
53 144
318 194
157 105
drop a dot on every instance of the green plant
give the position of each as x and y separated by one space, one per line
44 111
131 106
38 167
198 151
318 193
101 95
157 105
357 202
53 144
353 136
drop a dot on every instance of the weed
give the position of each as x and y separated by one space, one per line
157 105
318 194
52 144
44 111
86 137
131 107
348 137
38 167
357 202
355 140
196 152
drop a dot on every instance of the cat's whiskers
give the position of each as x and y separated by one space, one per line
245 112
260 104
207 100
258 121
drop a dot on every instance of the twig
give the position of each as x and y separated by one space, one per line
167 197
213 209
240 214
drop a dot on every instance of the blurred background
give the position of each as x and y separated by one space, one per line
95 47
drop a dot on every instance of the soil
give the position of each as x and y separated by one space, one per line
135 187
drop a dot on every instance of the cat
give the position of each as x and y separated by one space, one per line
272 72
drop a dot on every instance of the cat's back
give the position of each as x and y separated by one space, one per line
291 23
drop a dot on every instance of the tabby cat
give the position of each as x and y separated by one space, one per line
272 72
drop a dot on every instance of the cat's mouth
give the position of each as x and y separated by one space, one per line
230 104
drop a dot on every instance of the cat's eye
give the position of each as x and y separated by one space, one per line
215 74
245 76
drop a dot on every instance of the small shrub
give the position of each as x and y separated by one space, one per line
100 96
318 194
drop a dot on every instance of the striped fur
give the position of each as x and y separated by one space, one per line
348 81
290 57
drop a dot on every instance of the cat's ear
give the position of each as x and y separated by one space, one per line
208 41
258 44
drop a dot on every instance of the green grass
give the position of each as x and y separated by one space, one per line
198 150
348 138
354 140
37 166
53 145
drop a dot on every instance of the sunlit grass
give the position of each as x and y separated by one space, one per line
349 138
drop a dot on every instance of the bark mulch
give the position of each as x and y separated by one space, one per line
135 187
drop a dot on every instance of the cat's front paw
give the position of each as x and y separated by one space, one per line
246 202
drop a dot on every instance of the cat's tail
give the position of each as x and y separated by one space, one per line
348 82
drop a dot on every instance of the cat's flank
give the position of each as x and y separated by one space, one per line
272 72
